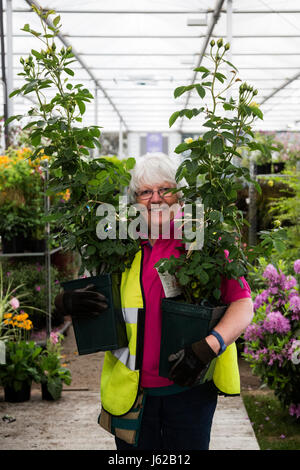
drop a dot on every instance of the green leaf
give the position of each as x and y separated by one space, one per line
69 71
91 250
56 21
179 91
81 106
217 146
12 118
209 135
130 163
173 118
219 76
200 90
37 54
201 69
15 92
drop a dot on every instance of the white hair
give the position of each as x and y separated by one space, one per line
153 168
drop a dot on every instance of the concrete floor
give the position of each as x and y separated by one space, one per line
71 424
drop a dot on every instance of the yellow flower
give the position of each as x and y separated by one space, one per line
189 140
7 315
271 183
253 104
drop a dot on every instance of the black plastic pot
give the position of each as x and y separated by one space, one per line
46 395
17 396
184 324
107 331
16 244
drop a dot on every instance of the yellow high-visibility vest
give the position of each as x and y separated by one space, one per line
121 369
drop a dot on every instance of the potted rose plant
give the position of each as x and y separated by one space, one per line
52 373
213 180
91 181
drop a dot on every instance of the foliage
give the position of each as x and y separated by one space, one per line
52 372
30 277
268 150
21 364
11 304
287 211
21 195
273 427
55 131
272 341
214 180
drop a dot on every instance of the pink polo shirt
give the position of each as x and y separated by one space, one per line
153 292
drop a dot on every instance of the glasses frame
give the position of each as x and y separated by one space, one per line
152 191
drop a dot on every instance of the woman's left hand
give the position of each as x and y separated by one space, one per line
189 362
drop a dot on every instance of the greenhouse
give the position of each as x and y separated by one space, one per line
149 227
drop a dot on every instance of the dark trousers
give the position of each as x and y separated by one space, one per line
176 422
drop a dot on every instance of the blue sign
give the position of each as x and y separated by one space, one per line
154 142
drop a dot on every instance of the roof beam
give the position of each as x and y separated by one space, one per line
162 12
82 63
281 87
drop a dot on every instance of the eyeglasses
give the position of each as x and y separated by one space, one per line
148 193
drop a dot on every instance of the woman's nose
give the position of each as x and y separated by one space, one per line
155 196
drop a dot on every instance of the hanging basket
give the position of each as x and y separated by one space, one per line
107 331
184 324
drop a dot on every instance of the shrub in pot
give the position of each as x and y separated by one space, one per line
18 361
213 181
53 374
91 182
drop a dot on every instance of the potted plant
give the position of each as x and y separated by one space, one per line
18 354
91 182
52 373
21 200
213 180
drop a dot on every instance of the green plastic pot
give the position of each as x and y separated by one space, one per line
107 331
184 324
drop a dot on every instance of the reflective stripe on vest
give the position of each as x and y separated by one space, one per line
120 379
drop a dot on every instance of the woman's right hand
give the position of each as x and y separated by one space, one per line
82 303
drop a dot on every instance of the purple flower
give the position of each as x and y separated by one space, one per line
275 322
294 410
38 288
297 266
253 332
270 272
290 282
294 302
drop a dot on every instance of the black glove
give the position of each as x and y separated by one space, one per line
83 303
189 362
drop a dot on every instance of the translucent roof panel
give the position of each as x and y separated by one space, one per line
137 52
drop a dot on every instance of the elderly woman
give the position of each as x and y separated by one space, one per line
142 409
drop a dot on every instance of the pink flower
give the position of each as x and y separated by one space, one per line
38 288
226 253
54 338
297 266
14 303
